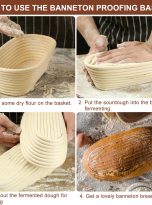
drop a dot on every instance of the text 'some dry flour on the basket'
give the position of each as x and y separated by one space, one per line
23 61
42 148
108 76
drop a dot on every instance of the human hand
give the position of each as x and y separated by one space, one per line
69 119
88 76
9 132
137 53
99 44
88 29
9 28
128 44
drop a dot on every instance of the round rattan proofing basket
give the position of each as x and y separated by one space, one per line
23 61
107 76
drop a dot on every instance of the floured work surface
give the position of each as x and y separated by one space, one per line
96 125
86 90
59 79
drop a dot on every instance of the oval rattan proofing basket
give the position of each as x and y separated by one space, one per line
23 61
44 144
109 76
42 148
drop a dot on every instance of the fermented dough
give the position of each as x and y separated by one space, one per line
108 76
21 170
23 60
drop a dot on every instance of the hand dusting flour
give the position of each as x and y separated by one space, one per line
9 28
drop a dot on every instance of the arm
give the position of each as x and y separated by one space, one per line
89 31
69 119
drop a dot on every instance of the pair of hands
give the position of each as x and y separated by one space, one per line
10 132
127 52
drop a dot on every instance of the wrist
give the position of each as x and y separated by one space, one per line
91 36
94 40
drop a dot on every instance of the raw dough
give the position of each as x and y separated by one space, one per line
17 172
108 76
23 61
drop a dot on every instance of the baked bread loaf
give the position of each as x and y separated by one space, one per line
120 156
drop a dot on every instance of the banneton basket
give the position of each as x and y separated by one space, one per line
42 148
109 115
130 117
126 117
23 61
107 76
44 144
16 173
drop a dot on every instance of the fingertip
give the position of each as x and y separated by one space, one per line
16 138
15 129
18 130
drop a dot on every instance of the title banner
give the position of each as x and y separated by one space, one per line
75 7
